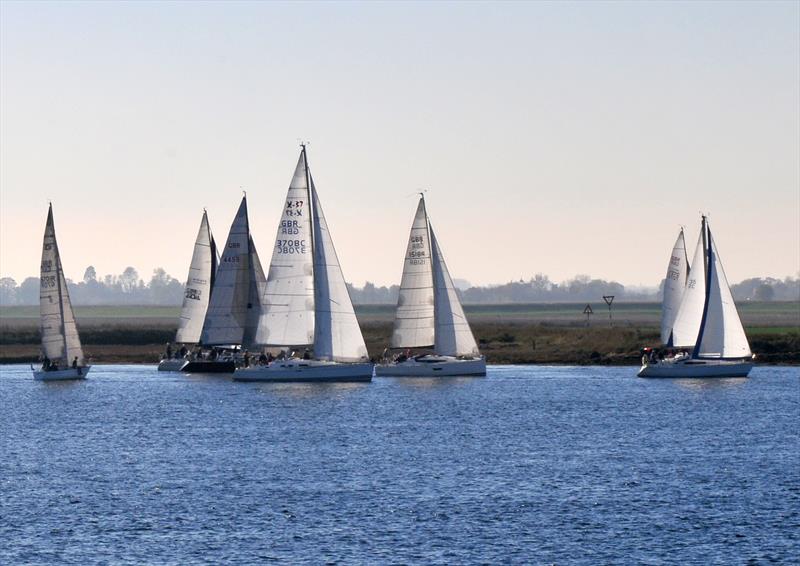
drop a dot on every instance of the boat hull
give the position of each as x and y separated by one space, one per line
172 365
306 371
207 366
448 367
61 374
697 368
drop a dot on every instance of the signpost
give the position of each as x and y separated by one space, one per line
609 299
588 312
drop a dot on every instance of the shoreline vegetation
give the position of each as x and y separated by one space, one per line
537 333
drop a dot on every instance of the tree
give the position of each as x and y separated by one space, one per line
90 275
8 291
764 292
129 280
28 292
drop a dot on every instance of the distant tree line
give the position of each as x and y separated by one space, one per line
128 288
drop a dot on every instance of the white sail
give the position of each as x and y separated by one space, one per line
337 335
453 335
674 286
258 284
60 340
722 334
288 312
199 283
227 313
687 322
414 317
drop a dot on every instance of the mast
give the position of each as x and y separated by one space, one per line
708 260
310 212
213 246
430 260
686 257
58 283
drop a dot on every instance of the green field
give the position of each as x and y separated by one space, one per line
514 333
754 314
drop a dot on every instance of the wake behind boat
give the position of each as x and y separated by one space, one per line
429 313
61 345
706 324
306 301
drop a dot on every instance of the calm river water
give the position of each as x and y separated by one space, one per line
530 465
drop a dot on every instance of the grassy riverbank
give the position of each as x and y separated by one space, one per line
541 333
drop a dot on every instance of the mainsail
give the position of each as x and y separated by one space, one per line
687 322
721 333
234 305
288 311
337 336
674 286
60 341
414 318
453 336
199 284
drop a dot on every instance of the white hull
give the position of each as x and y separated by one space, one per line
444 366
306 370
697 368
62 374
172 365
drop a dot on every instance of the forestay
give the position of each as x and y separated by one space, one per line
60 339
674 286
722 334
199 284
227 314
453 336
337 336
288 311
414 318
687 322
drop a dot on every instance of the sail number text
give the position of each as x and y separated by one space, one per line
294 208
291 246
416 252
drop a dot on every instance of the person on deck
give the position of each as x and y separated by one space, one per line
306 354
75 363
246 359
169 351
46 364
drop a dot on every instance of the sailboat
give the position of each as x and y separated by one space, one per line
235 303
429 313
199 282
674 286
306 302
707 322
61 345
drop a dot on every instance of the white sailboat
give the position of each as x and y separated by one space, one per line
234 306
707 322
199 283
306 302
61 345
674 286
429 313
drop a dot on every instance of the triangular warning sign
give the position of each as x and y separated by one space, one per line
588 310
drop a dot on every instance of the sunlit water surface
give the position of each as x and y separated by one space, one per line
528 465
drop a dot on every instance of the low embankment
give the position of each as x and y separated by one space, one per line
537 333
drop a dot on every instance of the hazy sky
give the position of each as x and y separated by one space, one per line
561 138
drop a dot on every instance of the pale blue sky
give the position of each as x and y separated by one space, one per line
558 138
